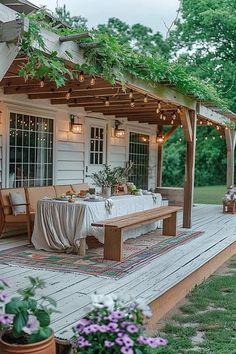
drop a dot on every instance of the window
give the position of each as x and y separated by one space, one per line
31 151
139 155
96 145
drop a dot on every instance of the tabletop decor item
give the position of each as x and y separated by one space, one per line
229 201
115 326
25 321
109 177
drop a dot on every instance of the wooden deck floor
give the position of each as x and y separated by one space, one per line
72 291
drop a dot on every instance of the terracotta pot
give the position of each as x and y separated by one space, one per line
47 346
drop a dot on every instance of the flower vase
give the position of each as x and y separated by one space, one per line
47 346
106 192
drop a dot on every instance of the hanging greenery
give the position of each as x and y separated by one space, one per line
110 59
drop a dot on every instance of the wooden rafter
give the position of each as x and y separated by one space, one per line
186 122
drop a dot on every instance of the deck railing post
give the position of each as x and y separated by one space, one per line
230 136
189 171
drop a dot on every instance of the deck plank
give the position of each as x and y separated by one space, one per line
72 291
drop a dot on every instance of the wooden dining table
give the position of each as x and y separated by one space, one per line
61 226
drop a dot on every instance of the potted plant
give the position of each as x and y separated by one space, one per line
113 326
109 177
25 321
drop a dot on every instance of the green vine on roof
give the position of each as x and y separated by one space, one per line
111 60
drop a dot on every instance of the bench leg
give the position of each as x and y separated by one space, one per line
170 225
113 244
82 247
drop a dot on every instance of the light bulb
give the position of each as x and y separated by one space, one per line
164 117
205 137
174 116
107 102
42 82
145 100
81 77
131 94
68 94
93 81
159 104
213 137
132 104
181 125
217 127
161 116
157 110
178 110
200 122
172 122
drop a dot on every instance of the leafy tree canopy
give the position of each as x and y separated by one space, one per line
205 36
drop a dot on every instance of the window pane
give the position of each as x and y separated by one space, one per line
139 155
31 151
96 145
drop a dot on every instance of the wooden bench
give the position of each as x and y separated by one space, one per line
113 240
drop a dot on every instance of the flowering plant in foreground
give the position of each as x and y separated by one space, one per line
23 319
113 326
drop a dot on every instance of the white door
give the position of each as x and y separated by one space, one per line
96 147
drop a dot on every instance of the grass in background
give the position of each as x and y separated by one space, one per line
209 194
206 323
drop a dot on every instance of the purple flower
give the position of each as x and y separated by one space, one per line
128 342
125 350
103 329
5 297
80 340
161 341
119 341
32 325
156 342
81 324
108 344
142 340
112 326
126 323
6 319
83 344
132 328
117 315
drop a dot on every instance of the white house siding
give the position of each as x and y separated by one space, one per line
69 148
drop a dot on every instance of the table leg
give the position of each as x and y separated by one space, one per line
170 225
113 244
82 247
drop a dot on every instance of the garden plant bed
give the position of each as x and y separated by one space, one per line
205 321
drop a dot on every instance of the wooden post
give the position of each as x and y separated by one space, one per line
230 136
189 120
159 159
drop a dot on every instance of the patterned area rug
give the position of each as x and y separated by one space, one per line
137 253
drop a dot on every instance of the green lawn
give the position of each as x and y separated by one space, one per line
207 322
209 194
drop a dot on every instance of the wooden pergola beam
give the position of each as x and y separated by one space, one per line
160 148
170 133
187 126
74 37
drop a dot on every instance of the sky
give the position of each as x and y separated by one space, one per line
156 14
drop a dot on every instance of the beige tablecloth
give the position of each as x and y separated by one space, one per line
60 225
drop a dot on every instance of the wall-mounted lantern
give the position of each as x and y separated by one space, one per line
75 127
159 138
119 132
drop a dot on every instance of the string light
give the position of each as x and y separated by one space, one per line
206 138
226 128
180 139
81 76
107 102
164 117
132 104
217 127
93 81
159 104
200 122
208 123
181 125
145 100
157 110
174 116
68 94
172 121
161 116
178 110
213 137
131 94
42 82
221 136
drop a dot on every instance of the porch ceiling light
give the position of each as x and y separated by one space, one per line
75 128
159 138
119 132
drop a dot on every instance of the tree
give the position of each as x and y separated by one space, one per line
205 36
138 36
72 21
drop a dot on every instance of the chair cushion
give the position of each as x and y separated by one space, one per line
33 194
17 198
